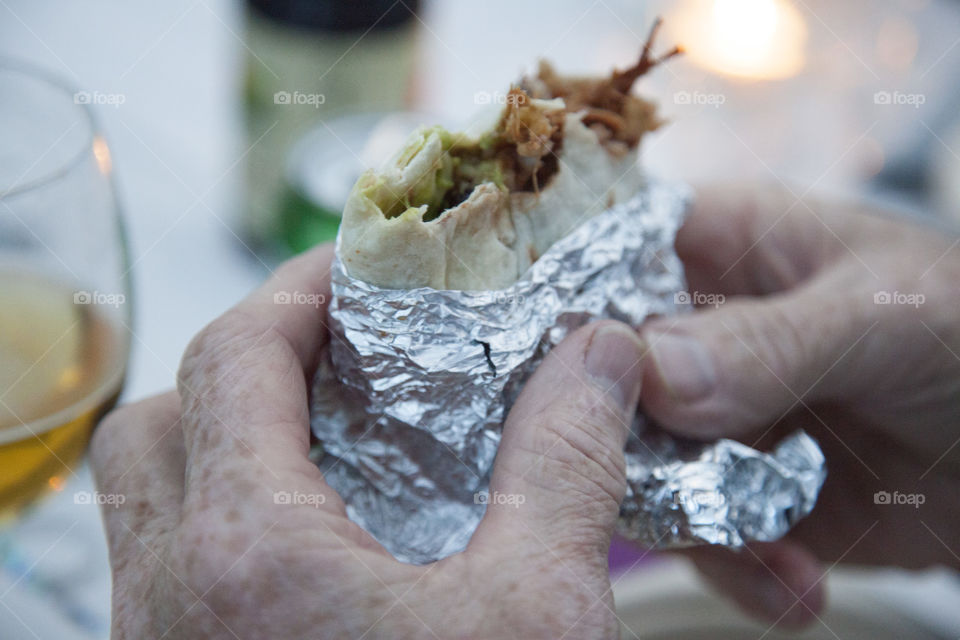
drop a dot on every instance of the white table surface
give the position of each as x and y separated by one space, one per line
176 141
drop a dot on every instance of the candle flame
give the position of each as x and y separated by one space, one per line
752 39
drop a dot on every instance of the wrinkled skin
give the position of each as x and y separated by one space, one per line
800 343
200 548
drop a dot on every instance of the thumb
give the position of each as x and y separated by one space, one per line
558 478
729 370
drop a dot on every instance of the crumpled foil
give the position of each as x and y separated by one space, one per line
410 397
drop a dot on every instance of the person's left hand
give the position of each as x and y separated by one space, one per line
200 548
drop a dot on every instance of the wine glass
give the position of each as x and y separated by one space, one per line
64 287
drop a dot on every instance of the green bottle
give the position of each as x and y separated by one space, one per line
310 62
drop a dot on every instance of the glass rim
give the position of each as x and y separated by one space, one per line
11 65
112 383
39 427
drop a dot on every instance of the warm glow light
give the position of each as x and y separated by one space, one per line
102 153
56 483
754 39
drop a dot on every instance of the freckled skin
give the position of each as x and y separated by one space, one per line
215 555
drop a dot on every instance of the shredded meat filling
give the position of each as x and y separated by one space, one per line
521 154
523 148
607 101
529 142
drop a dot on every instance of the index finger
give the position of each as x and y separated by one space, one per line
294 302
243 381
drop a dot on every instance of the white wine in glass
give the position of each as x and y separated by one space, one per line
64 286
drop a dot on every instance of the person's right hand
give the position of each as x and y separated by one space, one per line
845 323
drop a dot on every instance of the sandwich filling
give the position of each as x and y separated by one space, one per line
452 211
521 154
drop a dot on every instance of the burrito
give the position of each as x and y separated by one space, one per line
549 211
458 212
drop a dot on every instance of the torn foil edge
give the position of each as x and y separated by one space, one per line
410 397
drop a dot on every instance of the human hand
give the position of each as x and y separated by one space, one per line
200 548
799 341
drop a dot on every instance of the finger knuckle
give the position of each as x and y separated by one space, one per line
215 338
782 339
773 339
216 348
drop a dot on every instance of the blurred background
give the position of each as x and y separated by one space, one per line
236 130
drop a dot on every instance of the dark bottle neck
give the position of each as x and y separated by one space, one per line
337 15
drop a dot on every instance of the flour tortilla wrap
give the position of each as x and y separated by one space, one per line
449 211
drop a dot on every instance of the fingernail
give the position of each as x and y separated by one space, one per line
684 365
613 363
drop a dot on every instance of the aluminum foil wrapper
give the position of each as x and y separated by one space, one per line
409 399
